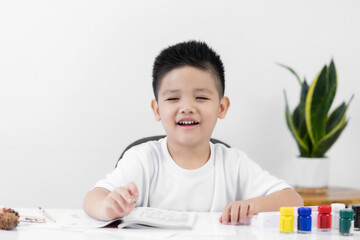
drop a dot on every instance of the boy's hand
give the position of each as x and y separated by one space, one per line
120 202
236 212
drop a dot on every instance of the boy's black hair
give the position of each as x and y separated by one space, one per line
191 53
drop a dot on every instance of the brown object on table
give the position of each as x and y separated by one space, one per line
332 195
9 218
301 190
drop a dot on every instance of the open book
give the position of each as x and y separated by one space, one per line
146 217
140 217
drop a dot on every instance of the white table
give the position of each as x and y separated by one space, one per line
207 227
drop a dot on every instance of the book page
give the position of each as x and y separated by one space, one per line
142 217
81 220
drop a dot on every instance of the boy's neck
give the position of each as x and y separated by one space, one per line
189 157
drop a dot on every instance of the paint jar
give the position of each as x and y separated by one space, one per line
335 210
286 219
345 222
356 209
304 220
324 218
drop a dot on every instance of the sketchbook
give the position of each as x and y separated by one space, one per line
146 217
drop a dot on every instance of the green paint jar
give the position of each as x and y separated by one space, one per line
345 222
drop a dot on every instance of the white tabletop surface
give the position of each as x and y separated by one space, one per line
207 227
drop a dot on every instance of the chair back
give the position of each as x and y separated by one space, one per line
155 138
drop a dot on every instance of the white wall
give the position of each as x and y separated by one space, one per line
75 84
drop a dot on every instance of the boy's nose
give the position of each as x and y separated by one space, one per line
187 110
187 107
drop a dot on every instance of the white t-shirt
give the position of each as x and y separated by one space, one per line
229 175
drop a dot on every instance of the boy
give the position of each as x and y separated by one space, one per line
184 171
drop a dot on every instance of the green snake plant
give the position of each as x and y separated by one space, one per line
314 130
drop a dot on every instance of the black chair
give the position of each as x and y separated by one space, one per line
155 138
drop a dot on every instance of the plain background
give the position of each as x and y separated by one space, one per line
75 84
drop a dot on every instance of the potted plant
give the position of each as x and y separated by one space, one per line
314 129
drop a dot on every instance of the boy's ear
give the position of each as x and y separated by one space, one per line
224 106
155 108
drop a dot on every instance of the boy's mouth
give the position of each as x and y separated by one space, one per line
187 123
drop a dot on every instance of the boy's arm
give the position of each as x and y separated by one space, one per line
237 211
283 198
93 201
104 205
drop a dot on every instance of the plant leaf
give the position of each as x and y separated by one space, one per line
296 118
332 83
292 71
347 106
318 101
325 144
306 140
335 117
302 123
304 149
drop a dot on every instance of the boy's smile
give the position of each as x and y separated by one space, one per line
188 105
187 123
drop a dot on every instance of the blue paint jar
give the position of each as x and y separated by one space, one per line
304 220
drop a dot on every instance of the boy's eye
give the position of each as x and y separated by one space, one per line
172 99
202 98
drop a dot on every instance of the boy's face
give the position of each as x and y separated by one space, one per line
189 105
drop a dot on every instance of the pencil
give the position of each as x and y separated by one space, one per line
32 219
47 214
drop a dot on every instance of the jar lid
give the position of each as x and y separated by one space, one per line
336 207
287 211
304 211
347 213
324 209
356 208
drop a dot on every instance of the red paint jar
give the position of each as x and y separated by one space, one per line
324 218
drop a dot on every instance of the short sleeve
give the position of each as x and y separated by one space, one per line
129 169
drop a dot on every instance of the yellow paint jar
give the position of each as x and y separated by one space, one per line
286 219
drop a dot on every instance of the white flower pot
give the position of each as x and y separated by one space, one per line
311 174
